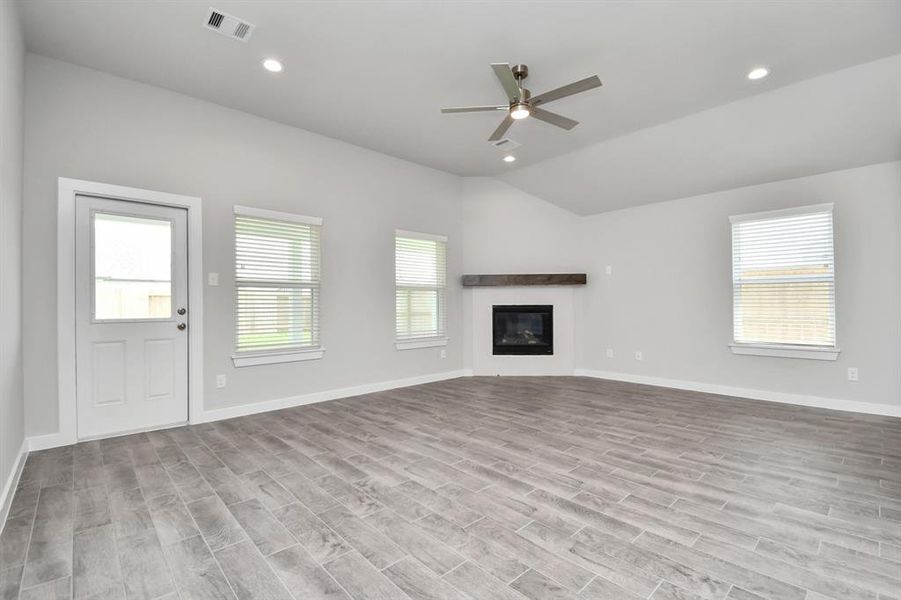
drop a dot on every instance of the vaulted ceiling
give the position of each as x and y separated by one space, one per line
676 114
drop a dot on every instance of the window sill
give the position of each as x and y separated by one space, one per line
420 343
786 351
272 358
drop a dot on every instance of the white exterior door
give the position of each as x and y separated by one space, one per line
131 315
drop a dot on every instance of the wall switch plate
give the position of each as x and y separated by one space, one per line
212 279
639 355
443 353
852 374
609 352
608 270
220 381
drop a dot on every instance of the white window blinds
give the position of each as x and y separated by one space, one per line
420 285
276 281
783 277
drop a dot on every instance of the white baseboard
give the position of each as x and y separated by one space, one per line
49 440
279 403
53 440
9 486
870 408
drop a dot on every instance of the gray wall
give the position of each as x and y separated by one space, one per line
12 87
89 125
670 295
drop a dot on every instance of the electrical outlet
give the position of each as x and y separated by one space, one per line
639 355
608 270
852 373
443 353
220 381
212 279
609 352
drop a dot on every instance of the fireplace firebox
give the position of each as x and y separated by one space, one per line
523 329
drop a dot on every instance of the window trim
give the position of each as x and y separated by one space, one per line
430 341
413 343
786 351
250 358
809 352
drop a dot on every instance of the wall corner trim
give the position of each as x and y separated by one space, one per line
9 486
869 408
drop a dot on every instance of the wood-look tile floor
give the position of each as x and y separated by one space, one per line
479 488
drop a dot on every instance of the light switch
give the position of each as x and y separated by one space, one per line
213 279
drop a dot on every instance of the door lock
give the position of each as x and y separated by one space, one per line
181 311
182 326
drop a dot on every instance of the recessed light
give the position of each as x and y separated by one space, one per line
509 158
758 73
272 65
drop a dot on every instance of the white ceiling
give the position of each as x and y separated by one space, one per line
376 73
840 120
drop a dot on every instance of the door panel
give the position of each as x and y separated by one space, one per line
131 275
108 368
159 369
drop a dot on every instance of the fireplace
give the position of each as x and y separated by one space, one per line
523 329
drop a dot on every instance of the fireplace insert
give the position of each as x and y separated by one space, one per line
523 329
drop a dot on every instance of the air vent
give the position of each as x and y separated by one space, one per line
505 144
228 25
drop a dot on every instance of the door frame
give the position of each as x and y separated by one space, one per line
69 189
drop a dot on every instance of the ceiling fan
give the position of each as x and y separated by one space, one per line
523 104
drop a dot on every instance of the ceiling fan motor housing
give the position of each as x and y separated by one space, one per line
524 96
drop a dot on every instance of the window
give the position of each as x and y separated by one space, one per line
276 287
783 282
132 267
420 289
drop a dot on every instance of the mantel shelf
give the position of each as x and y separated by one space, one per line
525 279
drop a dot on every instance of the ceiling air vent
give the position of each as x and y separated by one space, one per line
505 144
228 25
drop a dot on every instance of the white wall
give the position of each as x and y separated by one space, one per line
88 125
670 293
12 87
670 296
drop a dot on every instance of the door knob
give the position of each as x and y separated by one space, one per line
181 311
182 326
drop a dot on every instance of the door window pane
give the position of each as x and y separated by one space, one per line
132 267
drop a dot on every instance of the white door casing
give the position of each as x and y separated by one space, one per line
132 316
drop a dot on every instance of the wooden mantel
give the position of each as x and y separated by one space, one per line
525 279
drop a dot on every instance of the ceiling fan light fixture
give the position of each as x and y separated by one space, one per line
520 110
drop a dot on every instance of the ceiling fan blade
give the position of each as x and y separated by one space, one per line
501 129
553 118
505 75
465 109
567 90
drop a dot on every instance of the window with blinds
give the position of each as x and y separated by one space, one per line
783 278
420 286
276 281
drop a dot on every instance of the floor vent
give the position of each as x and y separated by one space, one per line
228 25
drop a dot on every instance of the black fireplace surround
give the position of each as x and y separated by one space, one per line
523 329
